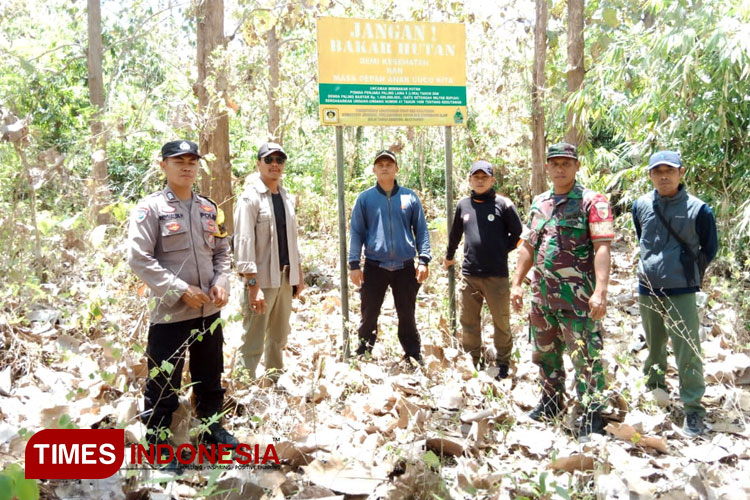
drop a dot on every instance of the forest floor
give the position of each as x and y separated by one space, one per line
377 428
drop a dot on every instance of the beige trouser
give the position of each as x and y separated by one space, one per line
496 292
266 334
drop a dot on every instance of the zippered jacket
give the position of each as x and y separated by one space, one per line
660 269
392 229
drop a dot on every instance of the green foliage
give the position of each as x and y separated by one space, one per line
65 422
14 485
431 460
680 83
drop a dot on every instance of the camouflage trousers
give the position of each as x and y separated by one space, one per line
551 330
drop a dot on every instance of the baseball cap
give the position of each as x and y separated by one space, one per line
270 147
385 152
179 148
671 158
562 149
481 166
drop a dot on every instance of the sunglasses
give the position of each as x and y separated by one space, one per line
277 159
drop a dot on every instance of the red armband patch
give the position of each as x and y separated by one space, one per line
601 225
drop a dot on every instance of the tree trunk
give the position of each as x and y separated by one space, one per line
101 194
574 128
538 179
358 168
214 134
272 43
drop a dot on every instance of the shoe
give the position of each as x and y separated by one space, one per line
502 371
414 360
479 364
217 435
364 349
548 408
591 423
173 466
693 425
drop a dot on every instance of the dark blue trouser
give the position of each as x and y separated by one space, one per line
403 283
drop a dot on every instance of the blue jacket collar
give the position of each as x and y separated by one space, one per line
395 188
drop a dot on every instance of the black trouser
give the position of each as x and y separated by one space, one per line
404 286
169 342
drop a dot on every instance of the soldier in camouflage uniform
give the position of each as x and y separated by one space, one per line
568 246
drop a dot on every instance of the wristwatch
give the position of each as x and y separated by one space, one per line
252 282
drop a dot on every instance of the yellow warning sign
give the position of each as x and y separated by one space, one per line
374 72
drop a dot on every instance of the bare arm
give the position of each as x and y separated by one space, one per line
525 261
598 300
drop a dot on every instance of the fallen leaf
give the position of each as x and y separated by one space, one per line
630 434
477 432
235 488
289 454
706 452
475 416
433 350
526 395
445 447
729 370
645 423
5 381
348 478
611 486
575 462
536 441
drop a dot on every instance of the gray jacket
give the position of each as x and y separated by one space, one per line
171 248
659 266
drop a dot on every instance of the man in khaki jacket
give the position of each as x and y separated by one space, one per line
177 249
268 259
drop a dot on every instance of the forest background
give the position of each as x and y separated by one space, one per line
80 138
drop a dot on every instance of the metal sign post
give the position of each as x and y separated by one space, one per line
449 222
342 239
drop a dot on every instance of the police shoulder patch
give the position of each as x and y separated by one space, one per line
141 214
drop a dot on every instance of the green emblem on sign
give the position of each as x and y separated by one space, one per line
458 117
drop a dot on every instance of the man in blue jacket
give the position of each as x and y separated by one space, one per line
677 235
389 222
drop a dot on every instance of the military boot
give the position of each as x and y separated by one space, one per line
591 423
548 408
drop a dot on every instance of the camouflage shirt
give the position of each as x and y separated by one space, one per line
562 231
